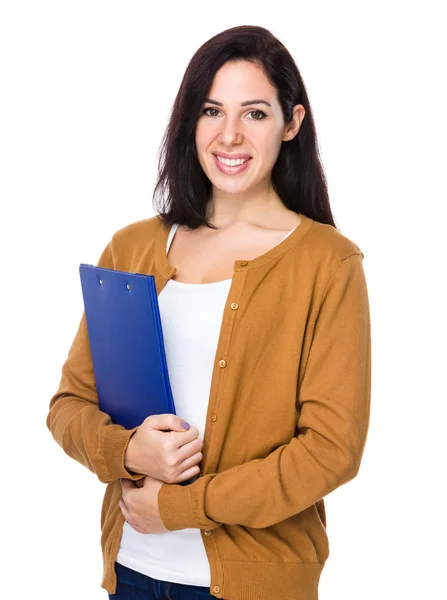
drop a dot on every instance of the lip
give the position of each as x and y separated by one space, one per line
231 170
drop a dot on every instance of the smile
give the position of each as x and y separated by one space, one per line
231 169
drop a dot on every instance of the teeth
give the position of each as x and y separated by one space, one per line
231 162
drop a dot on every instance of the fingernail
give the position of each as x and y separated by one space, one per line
185 425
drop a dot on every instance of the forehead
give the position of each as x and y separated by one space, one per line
239 81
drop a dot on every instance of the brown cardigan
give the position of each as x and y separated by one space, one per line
287 419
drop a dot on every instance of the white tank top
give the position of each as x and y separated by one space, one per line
191 315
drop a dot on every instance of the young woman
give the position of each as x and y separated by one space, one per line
266 326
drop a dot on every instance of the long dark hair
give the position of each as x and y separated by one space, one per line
182 191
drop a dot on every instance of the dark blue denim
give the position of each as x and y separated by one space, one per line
132 585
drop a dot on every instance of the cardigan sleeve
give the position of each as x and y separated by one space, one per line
334 403
74 419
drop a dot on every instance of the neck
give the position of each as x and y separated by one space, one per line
255 207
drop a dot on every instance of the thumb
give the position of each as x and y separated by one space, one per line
179 424
167 422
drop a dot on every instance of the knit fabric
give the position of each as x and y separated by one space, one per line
287 419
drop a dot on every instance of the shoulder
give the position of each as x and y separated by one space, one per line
334 261
329 244
143 231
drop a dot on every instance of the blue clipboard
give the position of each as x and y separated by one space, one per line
126 341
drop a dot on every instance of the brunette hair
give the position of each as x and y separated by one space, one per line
182 191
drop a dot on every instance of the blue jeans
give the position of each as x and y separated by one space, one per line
132 585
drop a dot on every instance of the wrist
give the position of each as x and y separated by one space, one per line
130 456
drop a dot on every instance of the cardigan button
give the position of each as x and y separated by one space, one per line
214 418
243 263
207 532
222 363
216 589
234 306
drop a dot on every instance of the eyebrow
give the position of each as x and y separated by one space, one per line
246 103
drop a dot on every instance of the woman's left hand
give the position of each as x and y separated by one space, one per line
139 505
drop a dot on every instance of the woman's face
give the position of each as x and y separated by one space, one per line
255 129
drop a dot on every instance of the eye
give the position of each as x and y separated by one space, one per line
204 111
260 112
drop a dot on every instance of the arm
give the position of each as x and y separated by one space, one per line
74 419
334 401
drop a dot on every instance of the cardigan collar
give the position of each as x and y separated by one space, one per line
167 271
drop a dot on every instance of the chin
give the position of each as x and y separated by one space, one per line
231 189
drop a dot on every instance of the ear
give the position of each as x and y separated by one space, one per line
293 127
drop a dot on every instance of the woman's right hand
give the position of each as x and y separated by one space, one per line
162 449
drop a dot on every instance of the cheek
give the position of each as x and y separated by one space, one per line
204 134
266 140
268 146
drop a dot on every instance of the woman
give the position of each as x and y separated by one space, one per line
266 326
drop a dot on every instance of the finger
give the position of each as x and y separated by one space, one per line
139 529
126 483
126 486
124 510
126 514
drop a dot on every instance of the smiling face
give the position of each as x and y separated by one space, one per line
234 121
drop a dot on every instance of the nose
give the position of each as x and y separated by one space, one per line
230 132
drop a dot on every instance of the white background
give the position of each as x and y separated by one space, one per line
86 90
